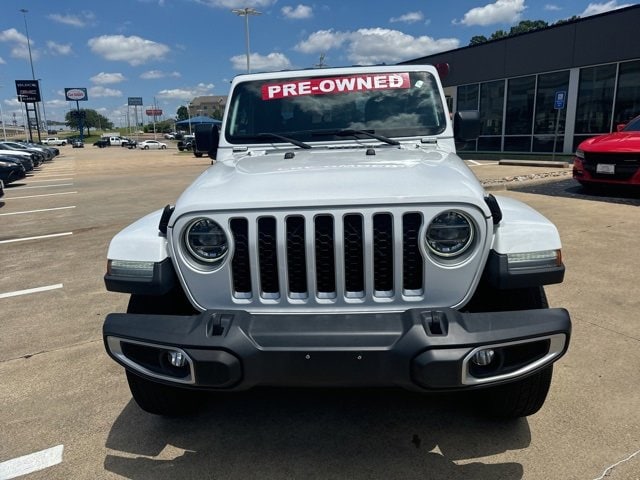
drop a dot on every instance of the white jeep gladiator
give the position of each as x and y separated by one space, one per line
338 240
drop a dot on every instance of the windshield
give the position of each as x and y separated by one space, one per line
390 104
632 126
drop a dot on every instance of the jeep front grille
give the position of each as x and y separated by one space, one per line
326 256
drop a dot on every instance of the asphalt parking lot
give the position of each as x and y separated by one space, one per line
65 403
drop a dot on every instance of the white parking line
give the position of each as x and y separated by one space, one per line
13 240
31 463
28 291
43 195
44 186
52 180
478 164
37 211
473 162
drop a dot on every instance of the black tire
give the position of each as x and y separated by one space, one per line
146 147
198 154
154 397
526 396
163 147
517 399
160 399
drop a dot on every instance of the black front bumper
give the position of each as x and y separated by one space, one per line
416 349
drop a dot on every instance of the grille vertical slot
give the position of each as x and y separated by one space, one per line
383 254
296 257
325 256
412 266
268 257
240 266
354 256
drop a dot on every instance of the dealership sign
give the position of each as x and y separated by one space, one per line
76 94
153 112
28 91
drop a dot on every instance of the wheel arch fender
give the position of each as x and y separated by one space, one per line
140 241
523 229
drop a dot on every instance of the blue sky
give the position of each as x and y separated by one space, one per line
174 50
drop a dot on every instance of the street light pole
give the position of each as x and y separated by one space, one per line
245 12
4 131
33 73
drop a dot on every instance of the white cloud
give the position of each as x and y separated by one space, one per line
186 93
13 35
2 61
20 45
236 3
597 8
322 40
261 63
376 45
297 13
82 20
133 50
501 11
410 17
106 78
58 48
101 91
552 8
157 74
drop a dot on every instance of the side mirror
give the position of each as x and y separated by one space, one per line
620 127
207 137
466 125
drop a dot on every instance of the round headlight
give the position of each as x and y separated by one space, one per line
206 241
450 234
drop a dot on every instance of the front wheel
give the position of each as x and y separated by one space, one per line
526 396
160 399
163 147
517 399
146 147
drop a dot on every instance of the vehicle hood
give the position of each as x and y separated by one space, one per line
333 177
614 142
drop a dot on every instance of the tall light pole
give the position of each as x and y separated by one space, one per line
4 131
245 12
33 74
44 110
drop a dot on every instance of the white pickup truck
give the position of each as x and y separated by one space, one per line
54 141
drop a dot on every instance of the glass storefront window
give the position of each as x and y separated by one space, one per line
546 114
520 100
468 97
544 143
517 144
595 99
491 108
628 94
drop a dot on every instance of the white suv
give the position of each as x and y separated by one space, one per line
338 240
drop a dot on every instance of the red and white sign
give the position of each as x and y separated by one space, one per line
333 85
153 112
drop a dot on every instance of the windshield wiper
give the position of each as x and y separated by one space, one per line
295 142
348 132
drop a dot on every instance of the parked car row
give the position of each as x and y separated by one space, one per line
19 158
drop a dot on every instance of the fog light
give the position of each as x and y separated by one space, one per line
483 357
177 359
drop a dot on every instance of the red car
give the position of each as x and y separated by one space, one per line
610 159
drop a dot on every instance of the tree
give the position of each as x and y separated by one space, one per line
527 26
477 40
90 119
522 27
182 113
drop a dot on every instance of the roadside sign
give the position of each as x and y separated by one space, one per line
153 112
134 101
561 100
76 94
28 91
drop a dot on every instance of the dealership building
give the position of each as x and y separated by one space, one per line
554 86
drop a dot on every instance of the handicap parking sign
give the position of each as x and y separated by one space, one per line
561 98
